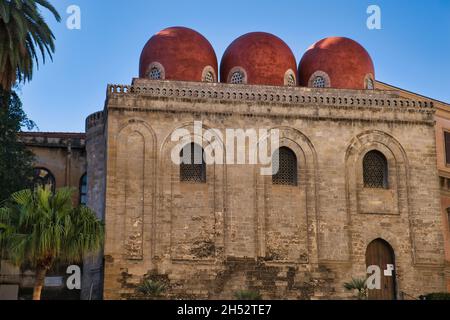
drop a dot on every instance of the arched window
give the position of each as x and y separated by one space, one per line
369 84
287 167
291 82
43 177
155 73
319 79
208 74
375 170
319 82
83 190
237 77
289 78
193 166
209 77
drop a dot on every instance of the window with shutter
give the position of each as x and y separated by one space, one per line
447 147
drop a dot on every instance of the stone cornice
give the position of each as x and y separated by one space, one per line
53 139
335 99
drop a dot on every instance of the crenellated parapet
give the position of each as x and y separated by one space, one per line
291 102
94 120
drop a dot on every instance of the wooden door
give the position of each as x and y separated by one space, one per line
380 253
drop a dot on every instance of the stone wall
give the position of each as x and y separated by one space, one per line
92 281
63 154
238 231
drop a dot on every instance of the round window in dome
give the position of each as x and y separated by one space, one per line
237 77
319 79
369 84
319 82
208 74
209 77
155 74
291 81
156 71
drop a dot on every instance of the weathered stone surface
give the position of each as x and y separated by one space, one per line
238 231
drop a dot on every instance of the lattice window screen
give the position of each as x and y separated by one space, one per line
155 74
209 77
237 77
193 166
319 82
287 171
291 81
375 170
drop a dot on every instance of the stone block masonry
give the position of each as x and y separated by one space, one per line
238 231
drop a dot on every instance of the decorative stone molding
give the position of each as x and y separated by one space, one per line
53 139
268 94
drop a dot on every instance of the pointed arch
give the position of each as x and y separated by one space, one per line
133 169
300 205
379 253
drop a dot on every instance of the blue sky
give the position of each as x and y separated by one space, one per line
412 50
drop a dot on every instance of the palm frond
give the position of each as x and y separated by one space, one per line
23 33
358 284
355 284
39 228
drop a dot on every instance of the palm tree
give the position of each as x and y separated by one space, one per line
23 34
357 284
42 228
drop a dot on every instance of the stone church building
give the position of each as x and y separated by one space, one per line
363 179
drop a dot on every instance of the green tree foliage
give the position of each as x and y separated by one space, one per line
24 35
358 285
41 228
151 288
437 296
15 160
247 295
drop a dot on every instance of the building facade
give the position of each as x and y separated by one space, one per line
236 227
362 179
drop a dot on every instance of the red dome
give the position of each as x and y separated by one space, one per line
264 58
345 62
182 54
